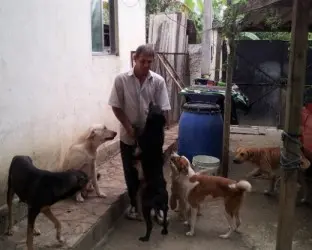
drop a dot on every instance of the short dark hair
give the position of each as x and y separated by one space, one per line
146 50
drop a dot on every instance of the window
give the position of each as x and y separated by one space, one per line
104 27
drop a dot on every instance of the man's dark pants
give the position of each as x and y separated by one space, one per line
131 174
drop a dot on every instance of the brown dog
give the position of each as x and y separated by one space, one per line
267 161
197 187
177 199
82 154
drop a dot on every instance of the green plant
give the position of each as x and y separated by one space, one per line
105 12
195 10
232 20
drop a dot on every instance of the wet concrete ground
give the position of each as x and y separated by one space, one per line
259 218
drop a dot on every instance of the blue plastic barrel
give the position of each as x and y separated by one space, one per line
200 130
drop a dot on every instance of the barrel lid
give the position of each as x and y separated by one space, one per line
201 107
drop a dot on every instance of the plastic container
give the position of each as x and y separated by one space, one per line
204 81
200 130
206 164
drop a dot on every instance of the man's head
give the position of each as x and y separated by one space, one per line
143 58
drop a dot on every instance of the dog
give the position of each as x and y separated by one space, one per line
267 161
40 189
179 185
82 154
197 187
154 193
177 199
138 166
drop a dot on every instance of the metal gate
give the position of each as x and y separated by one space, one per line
261 73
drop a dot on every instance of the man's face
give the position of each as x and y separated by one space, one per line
143 63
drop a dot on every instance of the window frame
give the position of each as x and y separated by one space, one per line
113 49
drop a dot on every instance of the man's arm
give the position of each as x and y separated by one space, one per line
123 119
117 102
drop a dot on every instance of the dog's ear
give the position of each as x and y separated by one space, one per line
184 161
174 169
238 149
78 179
29 159
82 179
90 134
250 153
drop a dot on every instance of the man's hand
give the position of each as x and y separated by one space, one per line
123 119
131 131
167 126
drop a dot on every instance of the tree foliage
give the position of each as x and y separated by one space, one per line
223 15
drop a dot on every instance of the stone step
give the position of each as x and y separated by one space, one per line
84 224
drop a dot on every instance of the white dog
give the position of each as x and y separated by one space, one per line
82 154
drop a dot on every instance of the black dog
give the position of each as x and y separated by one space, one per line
154 193
40 189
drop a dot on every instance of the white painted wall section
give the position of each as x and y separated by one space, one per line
52 87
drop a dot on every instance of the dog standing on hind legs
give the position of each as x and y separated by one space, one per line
154 192
40 189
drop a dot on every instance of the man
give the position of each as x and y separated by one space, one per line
130 97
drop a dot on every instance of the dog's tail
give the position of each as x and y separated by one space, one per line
241 185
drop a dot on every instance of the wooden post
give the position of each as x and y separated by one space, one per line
295 86
282 107
218 56
227 107
206 42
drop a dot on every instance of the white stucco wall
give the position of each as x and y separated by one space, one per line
51 86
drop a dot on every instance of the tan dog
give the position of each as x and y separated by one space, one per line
82 154
267 161
197 187
176 201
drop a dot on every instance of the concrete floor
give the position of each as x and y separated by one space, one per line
259 219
